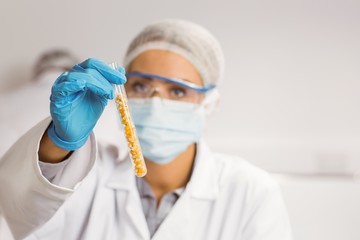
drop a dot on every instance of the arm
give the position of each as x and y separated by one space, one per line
77 100
50 153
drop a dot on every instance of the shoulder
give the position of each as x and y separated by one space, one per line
240 175
251 198
245 186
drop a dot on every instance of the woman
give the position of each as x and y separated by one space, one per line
62 184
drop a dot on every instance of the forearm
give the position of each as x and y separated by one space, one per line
49 152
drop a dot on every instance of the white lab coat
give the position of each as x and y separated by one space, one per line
95 197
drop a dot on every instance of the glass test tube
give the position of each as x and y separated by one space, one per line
129 129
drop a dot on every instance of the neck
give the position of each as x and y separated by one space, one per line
168 177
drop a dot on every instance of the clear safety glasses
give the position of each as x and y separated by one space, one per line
143 85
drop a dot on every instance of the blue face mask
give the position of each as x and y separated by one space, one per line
166 128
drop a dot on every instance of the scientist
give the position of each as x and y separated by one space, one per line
58 182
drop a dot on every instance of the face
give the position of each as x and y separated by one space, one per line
166 64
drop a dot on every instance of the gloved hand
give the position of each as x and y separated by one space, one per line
77 100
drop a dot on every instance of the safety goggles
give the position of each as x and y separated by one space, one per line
143 85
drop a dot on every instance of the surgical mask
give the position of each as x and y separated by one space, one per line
166 128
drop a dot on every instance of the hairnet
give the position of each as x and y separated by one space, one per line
188 39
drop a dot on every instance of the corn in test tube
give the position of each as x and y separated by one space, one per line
129 130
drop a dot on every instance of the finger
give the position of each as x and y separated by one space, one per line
112 75
68 84
75 82
100 87
122 70
92 81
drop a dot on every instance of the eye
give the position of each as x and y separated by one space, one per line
139 87
178 92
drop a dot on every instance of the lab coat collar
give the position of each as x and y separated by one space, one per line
202 185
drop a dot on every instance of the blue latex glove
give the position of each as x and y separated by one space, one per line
77 100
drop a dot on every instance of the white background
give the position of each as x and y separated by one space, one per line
290 96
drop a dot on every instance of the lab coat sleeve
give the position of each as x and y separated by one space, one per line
268 219
70 173
28 199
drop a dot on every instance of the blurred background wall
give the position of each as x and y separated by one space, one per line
290 95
